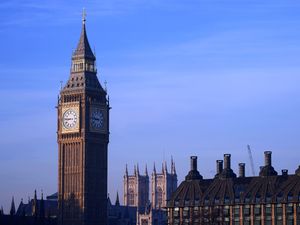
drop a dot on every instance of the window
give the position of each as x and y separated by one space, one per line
226 211
227 200
268 214
130 197
257 198
159 196
247 210
206 215
236 211
206 201
278 214
290 214
217 215
290 197
186 216
246 221
217 200
247 199
196 215
268 199
257 215
246 213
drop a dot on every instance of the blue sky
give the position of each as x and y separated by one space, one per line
194 77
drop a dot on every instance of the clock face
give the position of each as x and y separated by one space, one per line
70 119
97 118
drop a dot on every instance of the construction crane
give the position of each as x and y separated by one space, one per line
251 160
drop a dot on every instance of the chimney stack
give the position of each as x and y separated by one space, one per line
219 166
227 161
241 169
268 158
194 173
194 163
260 168
284 172
297 172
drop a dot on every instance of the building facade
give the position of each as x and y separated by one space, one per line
136 188
163 185
228 199
83 136
136 193
150 216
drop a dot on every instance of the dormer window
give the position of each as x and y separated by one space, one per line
227 200
290 197
268 199
237 199
206 201
217 200
247 199
257 198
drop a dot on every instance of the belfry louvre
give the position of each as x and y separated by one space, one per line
228 199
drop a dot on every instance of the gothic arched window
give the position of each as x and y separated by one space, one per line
130 197
159 196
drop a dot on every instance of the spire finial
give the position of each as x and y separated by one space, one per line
154 169
166 167
12 208
146 170
83 16
174 169
126 170
172 166
117 200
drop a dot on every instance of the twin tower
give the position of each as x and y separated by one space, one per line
136 187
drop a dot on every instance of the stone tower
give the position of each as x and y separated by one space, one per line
136 188
163 185
83 136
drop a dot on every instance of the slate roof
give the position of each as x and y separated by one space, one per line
83 49
121 215
83 80
50 207
224 189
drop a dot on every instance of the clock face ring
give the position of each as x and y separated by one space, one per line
97 119
70 119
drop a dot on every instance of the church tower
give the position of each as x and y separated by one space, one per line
136 188
83 136
163 185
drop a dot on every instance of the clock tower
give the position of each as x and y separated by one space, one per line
83 136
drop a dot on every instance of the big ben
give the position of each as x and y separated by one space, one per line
83 136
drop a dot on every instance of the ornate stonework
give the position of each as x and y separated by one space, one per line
136 188
163 185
